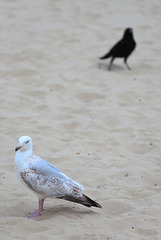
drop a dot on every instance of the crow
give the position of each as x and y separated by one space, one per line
122 49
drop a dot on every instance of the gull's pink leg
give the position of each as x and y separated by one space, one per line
37 212
41 204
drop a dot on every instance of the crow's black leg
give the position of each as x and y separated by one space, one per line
125 61
110 65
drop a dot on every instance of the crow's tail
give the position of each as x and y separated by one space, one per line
105 56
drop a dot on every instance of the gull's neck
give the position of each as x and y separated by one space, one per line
24 154
22 161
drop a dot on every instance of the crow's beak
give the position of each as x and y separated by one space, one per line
17 148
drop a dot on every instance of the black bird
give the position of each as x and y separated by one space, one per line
122 49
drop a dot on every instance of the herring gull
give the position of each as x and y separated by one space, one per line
45 180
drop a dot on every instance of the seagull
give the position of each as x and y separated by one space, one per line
122 49
45 180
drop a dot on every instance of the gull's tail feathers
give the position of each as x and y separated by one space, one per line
86 201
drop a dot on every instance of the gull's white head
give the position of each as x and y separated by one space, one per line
24 143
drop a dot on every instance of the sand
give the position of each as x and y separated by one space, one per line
101 128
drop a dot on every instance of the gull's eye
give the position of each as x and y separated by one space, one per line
27 141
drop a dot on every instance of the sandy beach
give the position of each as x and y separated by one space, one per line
101 128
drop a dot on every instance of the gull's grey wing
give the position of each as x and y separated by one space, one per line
49 170
48 186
